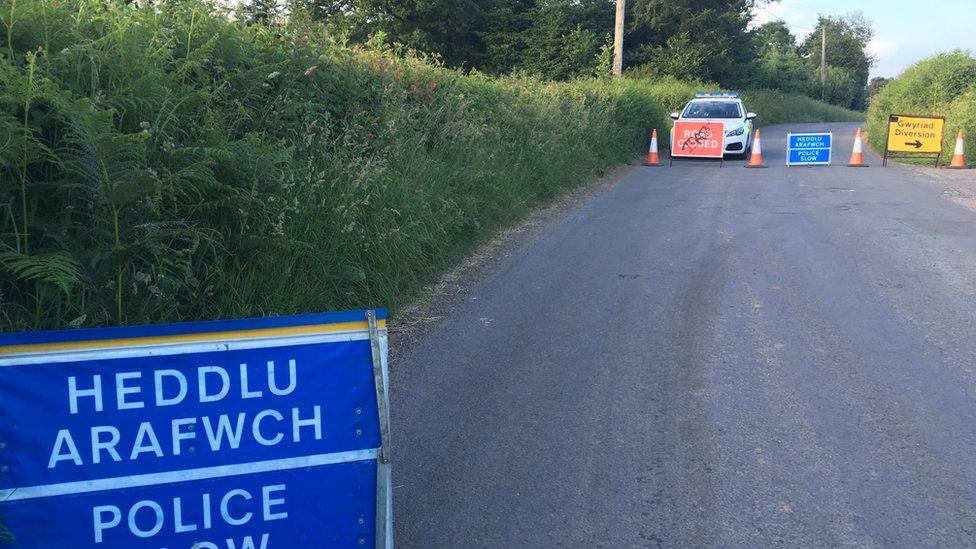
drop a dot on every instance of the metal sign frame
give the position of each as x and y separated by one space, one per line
342 366
888 154
379 348
830 149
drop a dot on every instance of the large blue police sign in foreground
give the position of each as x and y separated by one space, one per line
811 149
258 434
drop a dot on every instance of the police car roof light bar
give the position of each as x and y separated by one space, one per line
717 94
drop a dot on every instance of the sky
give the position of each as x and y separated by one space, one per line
905 31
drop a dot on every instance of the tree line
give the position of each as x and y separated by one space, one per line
706 40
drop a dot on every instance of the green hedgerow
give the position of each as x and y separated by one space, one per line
167 162
942 85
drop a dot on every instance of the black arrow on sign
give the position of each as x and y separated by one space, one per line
917 144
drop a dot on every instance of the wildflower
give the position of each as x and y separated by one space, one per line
278 226
310 70
144 125
274 75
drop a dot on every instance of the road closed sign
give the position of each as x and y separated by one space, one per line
699 139
915 134
261 434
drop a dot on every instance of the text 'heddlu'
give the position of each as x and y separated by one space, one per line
132 390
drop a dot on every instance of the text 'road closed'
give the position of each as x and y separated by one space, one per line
699 139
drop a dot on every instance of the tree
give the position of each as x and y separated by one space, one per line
343 16
715 29
451 28
505 32
841 87
781 68
706 40
847 41
565 38
876 85
779 64
260 11
774 36
679 57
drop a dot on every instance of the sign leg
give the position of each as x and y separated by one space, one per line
384 491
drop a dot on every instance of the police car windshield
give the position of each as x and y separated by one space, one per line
712 109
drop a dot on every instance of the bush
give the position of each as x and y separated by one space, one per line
173 165
783 69
166 163
942 85
775 107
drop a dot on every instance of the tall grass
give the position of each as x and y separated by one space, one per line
943 85
165 163
779 108
169 164
773 107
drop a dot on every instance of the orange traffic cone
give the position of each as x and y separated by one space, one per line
755 161
959 155
652 157
857 155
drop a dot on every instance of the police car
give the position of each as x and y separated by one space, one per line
723 107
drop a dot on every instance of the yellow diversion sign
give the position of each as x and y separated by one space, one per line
915 134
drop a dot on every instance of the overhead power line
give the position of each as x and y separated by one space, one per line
784 21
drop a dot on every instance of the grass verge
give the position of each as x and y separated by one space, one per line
942 85
779 108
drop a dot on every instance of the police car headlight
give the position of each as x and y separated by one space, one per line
738 131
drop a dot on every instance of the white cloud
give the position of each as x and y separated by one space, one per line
761 17
881 49
799 15
889 58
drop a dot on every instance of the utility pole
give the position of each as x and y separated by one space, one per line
618 39
823 60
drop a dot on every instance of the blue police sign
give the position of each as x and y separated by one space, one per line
235 434
810 149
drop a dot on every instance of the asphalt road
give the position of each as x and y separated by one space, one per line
706 356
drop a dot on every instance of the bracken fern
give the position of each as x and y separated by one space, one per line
164 162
